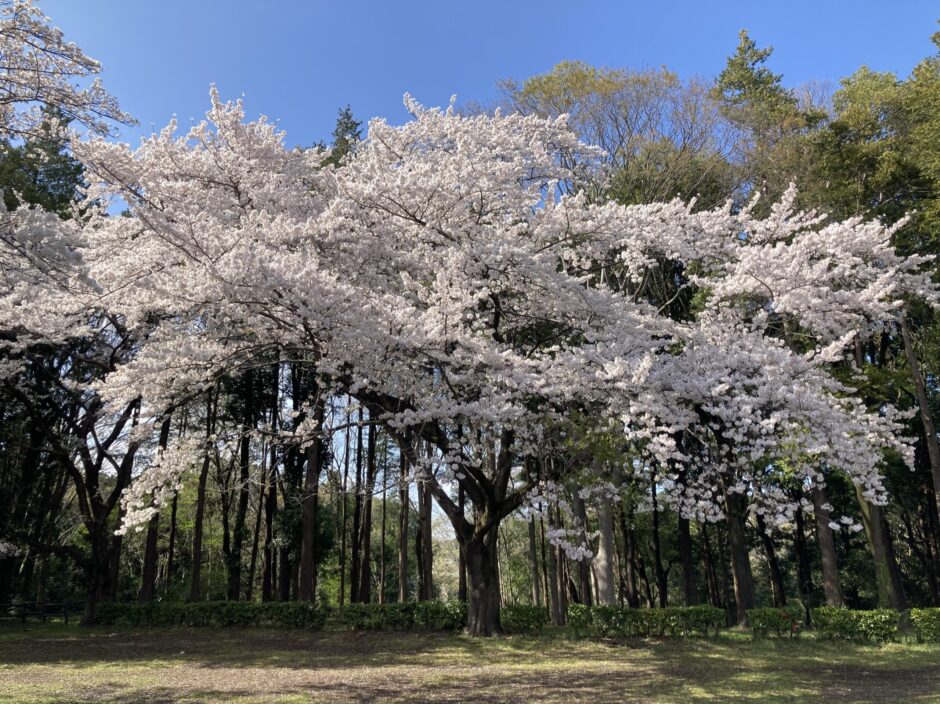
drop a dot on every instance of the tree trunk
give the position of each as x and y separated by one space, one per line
554 591
270 554
365 565
740 556
306 585
404 504
357 520
426 587
534 564
171 548
631 584
662 586
483 571
148 578
253 563
776 576
887 575
804 572
923 404
827 546
584 564
383 532
344 520
686 557
148 585
461 554
711 578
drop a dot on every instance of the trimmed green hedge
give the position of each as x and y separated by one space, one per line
778 621
292 614
617 622
926 624
426 615
877 625
521 618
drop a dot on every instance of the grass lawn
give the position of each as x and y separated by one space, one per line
58 663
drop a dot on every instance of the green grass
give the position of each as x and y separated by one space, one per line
58 663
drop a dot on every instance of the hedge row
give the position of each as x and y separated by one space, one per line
778 621
877 625
926 623
292 614
617 622
405 616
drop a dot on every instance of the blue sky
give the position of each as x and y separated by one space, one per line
298 62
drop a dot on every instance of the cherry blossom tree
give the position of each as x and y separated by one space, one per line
452 275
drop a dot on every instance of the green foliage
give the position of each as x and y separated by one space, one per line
522 618
427 615
617 622
778 621
926 624
213 613
877 625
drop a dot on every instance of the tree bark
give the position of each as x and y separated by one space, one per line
534 564
306 585
887 575
827 546
740 556
357 520
483 571
148 585
923 404
776 576
365 566
404 504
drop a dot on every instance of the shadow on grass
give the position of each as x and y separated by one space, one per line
208 665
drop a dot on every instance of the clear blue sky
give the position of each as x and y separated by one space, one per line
299 61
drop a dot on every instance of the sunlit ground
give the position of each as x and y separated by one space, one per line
57 663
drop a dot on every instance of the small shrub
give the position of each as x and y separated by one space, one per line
778 621
926 624
521 618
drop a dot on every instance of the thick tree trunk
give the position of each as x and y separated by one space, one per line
483 570
344 520
195 583
98 570
887 575
740 556
923 404
383 534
